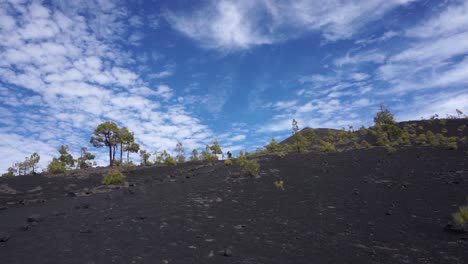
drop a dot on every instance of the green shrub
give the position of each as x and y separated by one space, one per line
228 162
461 217
8 174
252 167
444 131
443 122
112 177
241 160
170 161
451 145
281 154
279 184
390 149
461 128
127 165
56 166
431 138
326 146
421 139
365 144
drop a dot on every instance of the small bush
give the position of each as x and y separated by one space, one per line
252 167
451 145
279 184
443 122
170 161
241 160
461 217
113 177
56 166
365 144
444 131
421 139
228 162
8 174
281 154
326 146
127 165
390 149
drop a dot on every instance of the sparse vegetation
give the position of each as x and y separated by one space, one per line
228 162
113 177
180 152
421 139
56 166
194 155
145 158
279 184
251 167
461 216
170 161
86 159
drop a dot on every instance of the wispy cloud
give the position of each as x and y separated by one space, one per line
229 25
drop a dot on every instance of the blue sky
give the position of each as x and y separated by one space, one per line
237 71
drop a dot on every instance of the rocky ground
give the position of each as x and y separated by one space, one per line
359 206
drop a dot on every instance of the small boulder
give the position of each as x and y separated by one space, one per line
4 237
35 218
227 252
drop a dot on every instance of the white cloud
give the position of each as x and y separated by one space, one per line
359 76
228 25
451 21
372 56
385 36
164 91
442 103
436 58
75 76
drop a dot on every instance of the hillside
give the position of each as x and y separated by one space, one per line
366 204
443 131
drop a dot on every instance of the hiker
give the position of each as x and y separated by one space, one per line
229 154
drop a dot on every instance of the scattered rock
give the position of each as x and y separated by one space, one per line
227 252
211 254
72 194
35 218
4 237
3 208
82 206
37 189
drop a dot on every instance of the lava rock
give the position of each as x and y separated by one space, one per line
35 218
227 252
454 229
4 237
82 206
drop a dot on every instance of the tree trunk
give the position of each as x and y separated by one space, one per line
121 153
128 156
110 156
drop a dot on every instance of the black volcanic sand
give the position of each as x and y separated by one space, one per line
360 206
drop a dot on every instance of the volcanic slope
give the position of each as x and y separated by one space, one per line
358 206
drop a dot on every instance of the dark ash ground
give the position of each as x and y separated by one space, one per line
360 206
